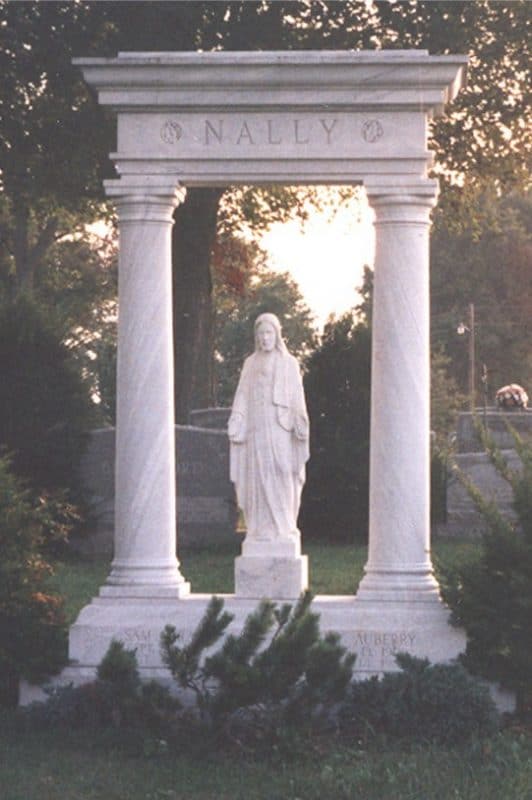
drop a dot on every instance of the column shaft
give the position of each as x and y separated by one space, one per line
145 559
399 564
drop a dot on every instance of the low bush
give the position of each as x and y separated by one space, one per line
33 633
116 699
440 703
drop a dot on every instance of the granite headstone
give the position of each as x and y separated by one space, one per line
206 505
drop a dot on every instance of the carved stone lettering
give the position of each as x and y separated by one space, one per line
143 642
214 132
297 132
376 650
256 132
271 138
245 135
328 126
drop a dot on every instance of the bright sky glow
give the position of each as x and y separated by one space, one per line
326 258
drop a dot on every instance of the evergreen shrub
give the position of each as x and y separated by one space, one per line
492 597
279 672
440 703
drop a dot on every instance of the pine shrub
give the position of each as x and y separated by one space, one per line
278 672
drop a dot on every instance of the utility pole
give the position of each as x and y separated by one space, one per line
472 354
470 329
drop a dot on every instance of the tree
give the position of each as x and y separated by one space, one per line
337 388
63 162
44 403
481 248
52 154
240 299
485 137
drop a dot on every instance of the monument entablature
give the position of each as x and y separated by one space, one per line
266 117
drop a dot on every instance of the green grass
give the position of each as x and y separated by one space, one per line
78 581
83 766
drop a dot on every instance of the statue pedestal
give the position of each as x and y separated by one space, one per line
274 569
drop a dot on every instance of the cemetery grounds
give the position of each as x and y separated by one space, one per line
106 765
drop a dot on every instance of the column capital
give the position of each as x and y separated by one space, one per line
402 205
145 197
402 202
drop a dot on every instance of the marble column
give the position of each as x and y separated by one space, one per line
399 565
145 562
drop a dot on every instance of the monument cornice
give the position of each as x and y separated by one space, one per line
265 81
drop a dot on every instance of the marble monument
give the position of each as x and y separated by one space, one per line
228 118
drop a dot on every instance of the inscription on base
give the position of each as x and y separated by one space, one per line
376 650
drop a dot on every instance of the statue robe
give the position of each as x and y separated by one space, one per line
268 431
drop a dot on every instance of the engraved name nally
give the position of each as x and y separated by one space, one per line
274 131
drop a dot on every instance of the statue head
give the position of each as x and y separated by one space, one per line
268 335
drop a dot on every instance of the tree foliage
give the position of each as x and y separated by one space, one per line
337 387
54 142
481 248
44 403
245 289
54 139
279 671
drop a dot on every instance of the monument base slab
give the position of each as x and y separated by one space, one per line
376 633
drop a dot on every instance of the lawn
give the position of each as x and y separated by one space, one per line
88 765
85 766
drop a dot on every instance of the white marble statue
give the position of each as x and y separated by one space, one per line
269 432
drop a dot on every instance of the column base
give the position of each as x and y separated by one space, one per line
411 585
130 579
273 576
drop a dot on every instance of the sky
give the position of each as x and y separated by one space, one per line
327 257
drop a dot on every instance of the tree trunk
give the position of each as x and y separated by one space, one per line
23 279
193 238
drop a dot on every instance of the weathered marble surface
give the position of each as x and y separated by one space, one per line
297 117
269 447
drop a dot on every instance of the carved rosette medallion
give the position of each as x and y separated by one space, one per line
372 131
171 132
